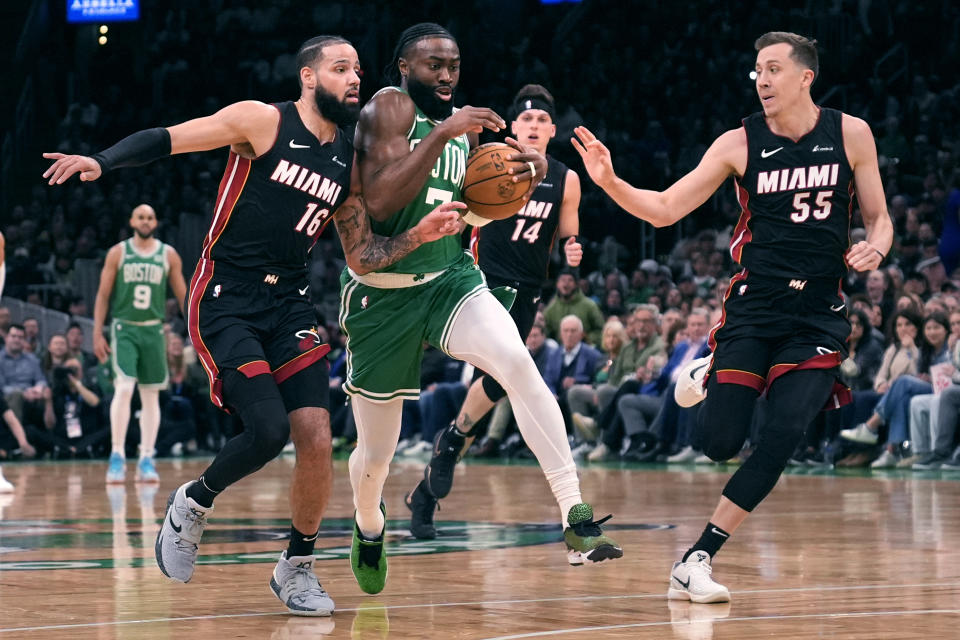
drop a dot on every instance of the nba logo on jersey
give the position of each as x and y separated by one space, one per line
216 291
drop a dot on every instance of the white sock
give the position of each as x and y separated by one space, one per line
120 413
485 335
149 421
378 428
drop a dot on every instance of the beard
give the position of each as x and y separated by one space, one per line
335 110
424 97
142 235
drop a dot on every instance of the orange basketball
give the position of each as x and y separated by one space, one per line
488 189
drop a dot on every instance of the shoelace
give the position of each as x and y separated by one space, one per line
305 584
193 522
590 528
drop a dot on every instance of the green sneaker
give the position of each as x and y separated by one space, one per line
368 558
584 538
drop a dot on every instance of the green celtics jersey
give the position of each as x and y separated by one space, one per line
444 184
140 288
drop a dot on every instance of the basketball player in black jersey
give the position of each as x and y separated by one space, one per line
784 327
513 252
289 172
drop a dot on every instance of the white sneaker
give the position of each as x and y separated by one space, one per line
176 546
885 461
860 433
691 581
687 454
703 459
421 448
295 583
582 450
585 426
5 485
689 390
600 453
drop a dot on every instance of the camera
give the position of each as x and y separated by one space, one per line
61 375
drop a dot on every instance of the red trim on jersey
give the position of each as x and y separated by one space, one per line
475 245
320 232
231 186
742 235
254 368
300 363
712 341
743 378
198 286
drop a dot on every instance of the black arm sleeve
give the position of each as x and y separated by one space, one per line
136 149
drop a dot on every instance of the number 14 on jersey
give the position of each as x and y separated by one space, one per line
531 234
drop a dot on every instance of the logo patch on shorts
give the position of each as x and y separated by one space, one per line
216 291
743 290
309 338
364 301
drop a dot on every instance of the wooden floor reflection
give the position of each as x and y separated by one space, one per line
825 556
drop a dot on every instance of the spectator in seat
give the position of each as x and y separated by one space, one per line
569 300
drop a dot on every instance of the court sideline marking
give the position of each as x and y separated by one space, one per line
646 596
798 616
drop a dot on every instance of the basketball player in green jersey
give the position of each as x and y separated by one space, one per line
133 284
412 148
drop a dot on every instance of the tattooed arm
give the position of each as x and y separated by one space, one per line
366 251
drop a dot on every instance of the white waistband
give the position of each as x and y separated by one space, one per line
145 323
382 280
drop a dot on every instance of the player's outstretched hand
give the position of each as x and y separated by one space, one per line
65 166
445 220
471 120
534 165
573 251
863 256
100 348
596 156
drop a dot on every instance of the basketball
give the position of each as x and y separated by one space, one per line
488 188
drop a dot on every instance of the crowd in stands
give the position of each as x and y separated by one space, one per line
614 335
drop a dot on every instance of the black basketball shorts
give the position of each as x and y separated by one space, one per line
255 323
771 326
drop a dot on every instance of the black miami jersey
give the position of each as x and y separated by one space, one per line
518 248
270 210
795 198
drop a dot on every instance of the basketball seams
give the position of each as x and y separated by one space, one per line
466 190
475 189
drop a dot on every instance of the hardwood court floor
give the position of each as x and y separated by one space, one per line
826 556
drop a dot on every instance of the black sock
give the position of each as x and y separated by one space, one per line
710 541
201 493
301 544
455 429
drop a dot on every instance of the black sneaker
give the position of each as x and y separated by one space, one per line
438 476
421 505
929 462
953 464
